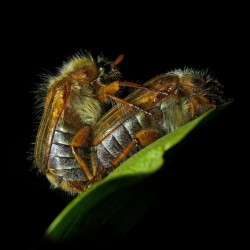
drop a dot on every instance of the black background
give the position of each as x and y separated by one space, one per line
201 199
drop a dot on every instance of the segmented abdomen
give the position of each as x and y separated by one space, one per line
61 161
111 146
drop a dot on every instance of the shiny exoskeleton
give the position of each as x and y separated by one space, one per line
77 144
74 102
121 132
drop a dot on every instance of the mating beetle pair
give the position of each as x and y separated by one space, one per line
79 142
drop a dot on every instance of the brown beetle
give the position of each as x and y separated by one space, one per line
74 149
122 131
73 104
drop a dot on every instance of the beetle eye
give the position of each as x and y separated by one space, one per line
101 71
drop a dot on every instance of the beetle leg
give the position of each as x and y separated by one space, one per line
144 137
118 59
114 87
204 101
139 86
191 108
120 100
81 139
195 103
107 92
76 186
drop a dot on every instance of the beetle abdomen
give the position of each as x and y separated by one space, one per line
61 162
109 148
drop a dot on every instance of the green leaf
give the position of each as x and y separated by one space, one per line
109 208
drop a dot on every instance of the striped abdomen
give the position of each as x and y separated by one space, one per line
61 161
111 146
